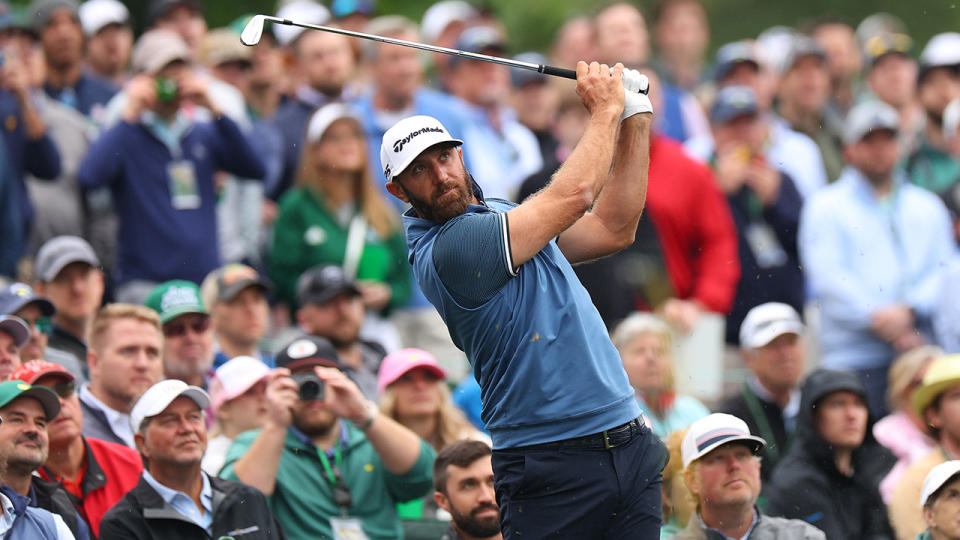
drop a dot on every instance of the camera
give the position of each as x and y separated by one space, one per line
309 386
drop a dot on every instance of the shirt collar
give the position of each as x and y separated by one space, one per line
118 422
756 516
303 438
170 495
793 406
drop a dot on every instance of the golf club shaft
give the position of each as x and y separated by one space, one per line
540 68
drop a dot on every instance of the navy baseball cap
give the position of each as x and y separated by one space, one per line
308 351
15 296
731 102
732 55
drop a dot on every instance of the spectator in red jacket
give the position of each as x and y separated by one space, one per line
686 243
95 473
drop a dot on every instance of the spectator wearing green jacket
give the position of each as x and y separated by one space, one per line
331 461
336 215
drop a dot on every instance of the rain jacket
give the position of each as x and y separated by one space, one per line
807 484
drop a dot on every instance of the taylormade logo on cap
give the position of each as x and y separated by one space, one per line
398 146
407 139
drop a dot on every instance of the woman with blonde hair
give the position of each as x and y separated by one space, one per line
644 343
678 504
903 431
336 215
413 392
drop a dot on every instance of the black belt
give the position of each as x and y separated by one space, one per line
606 439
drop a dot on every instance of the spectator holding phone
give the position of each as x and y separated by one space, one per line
159 162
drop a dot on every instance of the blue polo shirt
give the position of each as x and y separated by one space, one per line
546 367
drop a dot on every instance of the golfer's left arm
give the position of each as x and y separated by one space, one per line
612 223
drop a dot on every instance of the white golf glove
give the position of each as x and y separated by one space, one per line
635 87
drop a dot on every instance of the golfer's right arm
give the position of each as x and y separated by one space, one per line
576 185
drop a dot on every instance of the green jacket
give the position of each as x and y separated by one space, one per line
932 169
307 234
303 502
925 535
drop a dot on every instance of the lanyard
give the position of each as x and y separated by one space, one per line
337 460
341 493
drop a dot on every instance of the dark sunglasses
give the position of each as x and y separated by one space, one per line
64 389
199 325
43 325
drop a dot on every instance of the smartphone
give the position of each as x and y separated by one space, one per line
167 89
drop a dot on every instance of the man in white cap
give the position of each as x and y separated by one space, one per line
772 348
873 249
940 500
175 498
721 466
106 24
14 334
930 165
442 24
501 277
237 403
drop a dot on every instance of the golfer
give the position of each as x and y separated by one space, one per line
572 458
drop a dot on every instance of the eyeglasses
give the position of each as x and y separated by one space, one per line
64 389
43 325
199 325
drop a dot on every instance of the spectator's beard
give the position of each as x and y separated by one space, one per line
477 527
313 426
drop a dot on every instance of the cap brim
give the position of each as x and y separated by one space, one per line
925 395
171 315
774 331
311 362
196 394
60 263
230 292
760 445
329 294
18 330
406 163
48 400
46 307
432 368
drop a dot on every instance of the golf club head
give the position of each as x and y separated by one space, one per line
253 30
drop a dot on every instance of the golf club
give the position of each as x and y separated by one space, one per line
253 31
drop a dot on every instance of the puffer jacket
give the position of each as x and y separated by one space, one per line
807 484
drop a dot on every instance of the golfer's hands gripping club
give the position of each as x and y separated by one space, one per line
635 88
600 88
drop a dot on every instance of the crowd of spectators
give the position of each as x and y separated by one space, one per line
209 324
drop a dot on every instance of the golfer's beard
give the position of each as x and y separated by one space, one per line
443 214
478 528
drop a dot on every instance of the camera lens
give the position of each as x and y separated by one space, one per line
309 390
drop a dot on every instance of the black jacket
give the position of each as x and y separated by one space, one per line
52 497
807 484
765 419
239 511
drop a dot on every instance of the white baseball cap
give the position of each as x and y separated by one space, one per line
306 11
159 396
936 478
439 16
867 117
767 321
235 377
327 115
712 431
96 14
942 50
407 139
